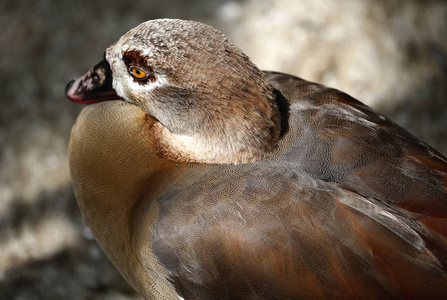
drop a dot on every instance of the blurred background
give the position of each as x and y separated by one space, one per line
391 55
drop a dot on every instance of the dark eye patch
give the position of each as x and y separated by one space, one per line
134 58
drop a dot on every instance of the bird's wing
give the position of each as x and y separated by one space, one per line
336 138
261 232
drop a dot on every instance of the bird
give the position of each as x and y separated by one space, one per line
203 177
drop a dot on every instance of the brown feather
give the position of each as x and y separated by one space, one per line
339 202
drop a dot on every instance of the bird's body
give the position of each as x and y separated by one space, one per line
320 197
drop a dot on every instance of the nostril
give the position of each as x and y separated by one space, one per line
95 78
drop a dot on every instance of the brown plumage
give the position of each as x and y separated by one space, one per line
212 180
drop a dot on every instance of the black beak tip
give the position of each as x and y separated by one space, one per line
69 84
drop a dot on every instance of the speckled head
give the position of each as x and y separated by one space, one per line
212 103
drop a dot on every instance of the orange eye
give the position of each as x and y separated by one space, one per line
138 73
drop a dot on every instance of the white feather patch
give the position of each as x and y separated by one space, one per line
385 218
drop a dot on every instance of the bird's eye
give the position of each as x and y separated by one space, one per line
138 73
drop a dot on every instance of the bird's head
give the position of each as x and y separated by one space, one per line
213 104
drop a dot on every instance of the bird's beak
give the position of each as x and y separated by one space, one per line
93 86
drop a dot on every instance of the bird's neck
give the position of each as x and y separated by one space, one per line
228 137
